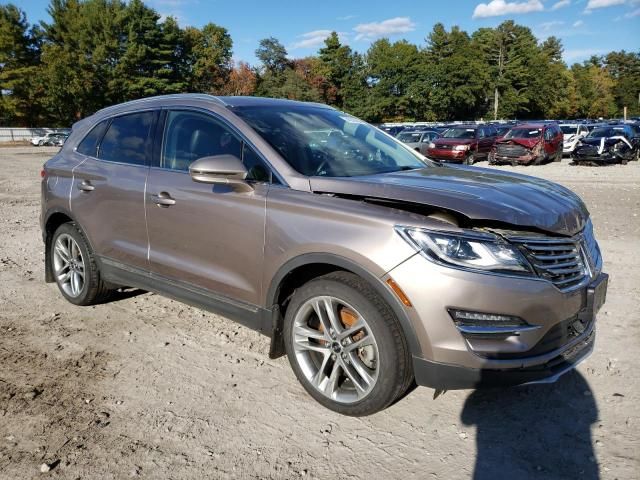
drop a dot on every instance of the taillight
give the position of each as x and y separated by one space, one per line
43 173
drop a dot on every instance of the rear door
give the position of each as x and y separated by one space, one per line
208 236
107 196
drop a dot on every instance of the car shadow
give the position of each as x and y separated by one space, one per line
124 294
537 431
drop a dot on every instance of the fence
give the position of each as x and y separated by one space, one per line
8 134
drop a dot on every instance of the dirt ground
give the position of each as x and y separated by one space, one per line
148 387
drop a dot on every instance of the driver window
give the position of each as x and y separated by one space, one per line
192 135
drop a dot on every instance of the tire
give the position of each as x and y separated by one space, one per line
379 332
92 288
558 157
40 143
469 159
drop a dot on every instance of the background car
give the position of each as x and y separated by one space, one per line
572 133
465 144
418 140
607 145
527 144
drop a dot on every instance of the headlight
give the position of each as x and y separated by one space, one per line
461 147
431 145
473 251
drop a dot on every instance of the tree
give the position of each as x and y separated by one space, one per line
242 81
594 88
509 50
20 89
624 69
209 53
273 55
456 77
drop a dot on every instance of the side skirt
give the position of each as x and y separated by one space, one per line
251 316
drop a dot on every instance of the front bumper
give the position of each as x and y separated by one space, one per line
523 160
451 360
447 155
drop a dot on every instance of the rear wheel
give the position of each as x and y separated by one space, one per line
345 346
74 267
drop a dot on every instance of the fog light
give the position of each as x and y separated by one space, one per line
489 324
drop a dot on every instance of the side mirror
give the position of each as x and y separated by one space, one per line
220 170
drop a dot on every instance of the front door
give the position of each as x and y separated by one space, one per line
208 236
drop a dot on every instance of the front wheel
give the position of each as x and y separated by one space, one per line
469 159
345 346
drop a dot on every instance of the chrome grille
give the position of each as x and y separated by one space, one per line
511 150
566 262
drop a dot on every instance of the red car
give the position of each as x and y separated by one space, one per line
529 144
463 144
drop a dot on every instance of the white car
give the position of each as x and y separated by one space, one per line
572 133
49 138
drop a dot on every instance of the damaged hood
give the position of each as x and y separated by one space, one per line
524 142
477 193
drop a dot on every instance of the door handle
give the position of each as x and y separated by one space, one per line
163 199
86 186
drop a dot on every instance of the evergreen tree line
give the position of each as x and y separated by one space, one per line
95 53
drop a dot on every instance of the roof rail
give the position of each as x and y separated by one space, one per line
142 101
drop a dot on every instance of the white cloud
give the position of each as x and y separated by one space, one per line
582 53
561 4
497 8
315 39
311 39
632 14
578 23
392 26
593 4
546 26
347 17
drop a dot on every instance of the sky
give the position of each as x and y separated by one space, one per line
586 27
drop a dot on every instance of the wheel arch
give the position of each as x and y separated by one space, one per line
52 221
299 270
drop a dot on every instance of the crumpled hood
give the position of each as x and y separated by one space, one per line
525 142
477 193
596 141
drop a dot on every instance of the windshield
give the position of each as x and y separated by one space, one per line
409 137
347 146
606 132
523 133
459 133
568 129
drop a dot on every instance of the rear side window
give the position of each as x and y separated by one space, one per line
89 145
127 139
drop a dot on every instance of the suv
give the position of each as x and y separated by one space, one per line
370 266
417 139
463 144
528 144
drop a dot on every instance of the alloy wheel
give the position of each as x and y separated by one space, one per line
335 349
68 265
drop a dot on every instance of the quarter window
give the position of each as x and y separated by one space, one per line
127 139
89 144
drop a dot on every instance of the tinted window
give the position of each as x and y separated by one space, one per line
191 135
127 139
523 133
89 145
256 168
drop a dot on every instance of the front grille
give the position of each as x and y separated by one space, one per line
587 151
566 262
444 147
511 150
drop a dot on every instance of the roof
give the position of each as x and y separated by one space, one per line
530 125
227 101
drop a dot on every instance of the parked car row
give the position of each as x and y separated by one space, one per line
532 143
50 139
